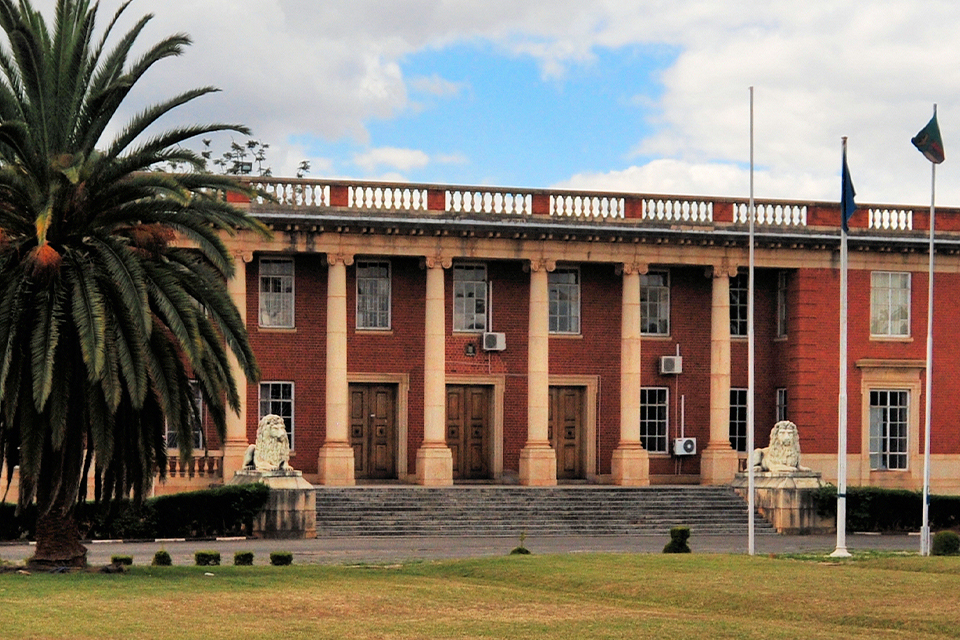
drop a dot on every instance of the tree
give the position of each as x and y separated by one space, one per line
105 321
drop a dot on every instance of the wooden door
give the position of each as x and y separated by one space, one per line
373 430
468 428
565 430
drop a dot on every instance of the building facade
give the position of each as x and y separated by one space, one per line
439 334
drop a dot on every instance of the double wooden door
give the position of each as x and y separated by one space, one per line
468 430
565 431
373 430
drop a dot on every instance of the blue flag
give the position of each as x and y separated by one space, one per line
847 205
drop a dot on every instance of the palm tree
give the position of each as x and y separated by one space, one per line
113 301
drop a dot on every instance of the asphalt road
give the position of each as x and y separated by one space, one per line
378 550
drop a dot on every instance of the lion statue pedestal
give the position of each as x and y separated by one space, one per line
291 510
784 489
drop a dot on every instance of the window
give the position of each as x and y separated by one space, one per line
653 419
889 421
738 304
655 303
889 303
173 440
373 294
738 419
564 293
781 304
469 297
781 404
277 398
276 292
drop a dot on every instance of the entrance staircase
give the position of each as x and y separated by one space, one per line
587 510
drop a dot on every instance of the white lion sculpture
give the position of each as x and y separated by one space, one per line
783 454
272 451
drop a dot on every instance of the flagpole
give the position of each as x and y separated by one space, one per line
751 366
925 527
841 550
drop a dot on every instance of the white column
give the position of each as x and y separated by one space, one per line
434 459
630 465
538 460
235 445
335 462
718 462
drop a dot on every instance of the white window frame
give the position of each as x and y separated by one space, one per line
170 437
655 304
738 419
739 305
268 404
374 296
276 293
890 294
655 419
889 429
470 293
564 301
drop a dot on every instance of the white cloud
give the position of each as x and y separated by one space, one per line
392 158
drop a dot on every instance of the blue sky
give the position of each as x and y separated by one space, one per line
648 96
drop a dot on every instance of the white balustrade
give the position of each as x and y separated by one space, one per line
573 206
667 210
779 215
387 198
499 202
891 219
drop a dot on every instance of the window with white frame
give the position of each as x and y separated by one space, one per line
655 303
373 294
781 304
469 297
781 404
889 429
738 419
277 398
564 295
889 304
738 304
276 292
173 438
654 419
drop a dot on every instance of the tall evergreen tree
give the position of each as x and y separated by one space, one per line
113 299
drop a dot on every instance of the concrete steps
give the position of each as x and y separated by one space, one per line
405 510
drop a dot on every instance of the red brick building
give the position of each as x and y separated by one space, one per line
438 334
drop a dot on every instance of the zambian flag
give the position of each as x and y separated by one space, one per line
928 141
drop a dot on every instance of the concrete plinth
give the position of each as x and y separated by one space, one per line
538 466
786 500
718 466
291 510
335 466
434 466
630 467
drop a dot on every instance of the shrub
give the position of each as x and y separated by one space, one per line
281 558
876 509
162 559
521 548
678 540
207 558
946 543
124 560
243 558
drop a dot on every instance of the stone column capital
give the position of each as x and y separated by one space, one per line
334 259
436 262
724 269
540 264
243 256
633 268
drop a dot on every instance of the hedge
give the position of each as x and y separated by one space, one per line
889 510
223 511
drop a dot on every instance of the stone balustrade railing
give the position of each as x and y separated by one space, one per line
198 466
361 196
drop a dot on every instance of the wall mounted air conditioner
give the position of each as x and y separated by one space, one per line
684 446
671 365
494 341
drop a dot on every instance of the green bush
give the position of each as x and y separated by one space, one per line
207 558
243 558
946 543
162 559
123 560
281 558
678 540
888 510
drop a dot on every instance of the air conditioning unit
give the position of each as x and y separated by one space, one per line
684 446
671 365
494 341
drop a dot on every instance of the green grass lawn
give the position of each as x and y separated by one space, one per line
564 596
